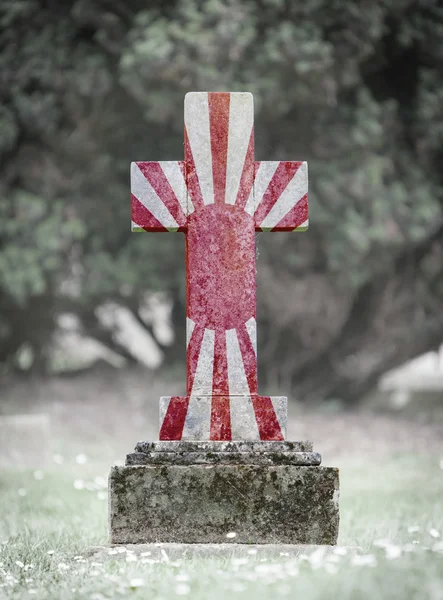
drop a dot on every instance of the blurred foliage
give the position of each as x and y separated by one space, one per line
353 87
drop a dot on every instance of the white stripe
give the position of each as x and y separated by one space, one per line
198 419
238 383
280 404
197 126
291 195
241 120
163 408
190 324
263 176
143 191
135 227
251 327
303 227
205 365
243 421
176 179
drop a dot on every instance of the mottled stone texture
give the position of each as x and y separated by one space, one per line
199 503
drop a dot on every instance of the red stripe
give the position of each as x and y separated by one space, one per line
295 217
249 358
220 408
282 176
143 217
267 422
192 182
192 354
221 418
157 178
247 176
219 127
174 421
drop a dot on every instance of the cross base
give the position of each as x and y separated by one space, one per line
223 418
202 491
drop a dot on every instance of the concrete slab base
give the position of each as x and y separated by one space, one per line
201 503
164 552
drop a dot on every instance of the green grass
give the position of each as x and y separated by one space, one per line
378 501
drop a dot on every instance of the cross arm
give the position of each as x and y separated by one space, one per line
281 196
158 196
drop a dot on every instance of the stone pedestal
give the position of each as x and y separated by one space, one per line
199 492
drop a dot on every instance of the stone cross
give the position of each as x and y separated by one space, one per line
219 196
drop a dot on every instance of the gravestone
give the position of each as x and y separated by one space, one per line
222 470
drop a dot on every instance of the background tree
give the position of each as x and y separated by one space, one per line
354 88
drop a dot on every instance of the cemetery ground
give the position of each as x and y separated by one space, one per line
53 515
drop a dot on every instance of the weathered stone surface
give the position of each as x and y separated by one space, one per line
210 458
198 503
162 552
234 446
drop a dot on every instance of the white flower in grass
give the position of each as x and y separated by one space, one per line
79 557
81 459
131 558
434 533
50 552
364 560
413 528
231 535
39 475
182 589
22 492
20 564
136 583
393 552
79 484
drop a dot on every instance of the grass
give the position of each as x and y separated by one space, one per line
49 521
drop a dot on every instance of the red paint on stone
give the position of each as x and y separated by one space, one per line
221 419
219 127
192 182
143 217
268 425
220 266
157 179
220 263
174 421
282 176
249 358
295 217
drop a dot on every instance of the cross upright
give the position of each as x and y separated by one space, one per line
219 196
